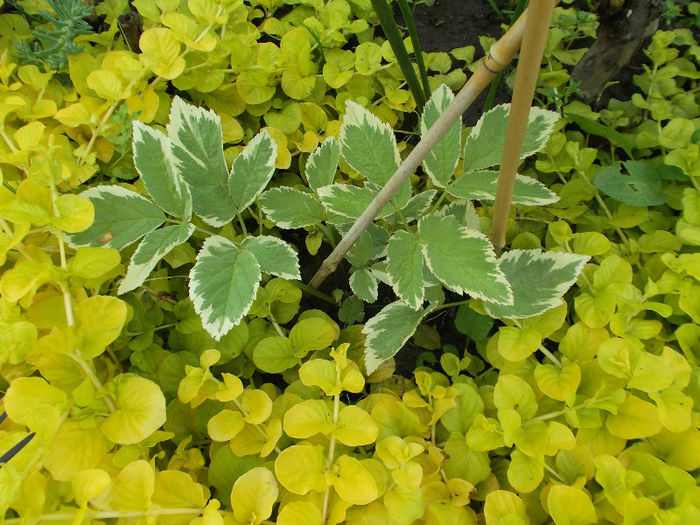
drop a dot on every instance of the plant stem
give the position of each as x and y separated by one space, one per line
417 51
319 295
108 514
331 447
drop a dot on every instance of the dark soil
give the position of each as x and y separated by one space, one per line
450 24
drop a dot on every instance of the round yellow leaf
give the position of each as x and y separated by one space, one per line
225 425
299 513
300 469
89 483
133 487
253 496
100 321
106 84
75 449
140 410
75 213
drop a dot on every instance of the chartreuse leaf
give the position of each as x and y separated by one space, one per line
154 246
121 218
503 507
290 208
462 259
274 355
515 344
558 383
225 425
274 256
481 185
300 469
91 263
388 331
133 487
512 392
355 428
675 409
441 162
252 170
154 160
322 164
353 482
100 321
484 145
635 419
299 513
525 472
641 187
570 506
75 213
223 283
88 484
308 418
197 145
177 489
368 145
312 333
405 268
253 496
140 410
33 402
538 280
75 449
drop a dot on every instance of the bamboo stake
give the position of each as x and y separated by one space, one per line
534 39
500 54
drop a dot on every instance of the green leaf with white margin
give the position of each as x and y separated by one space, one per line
462 259
252 170
349 201
223 284
155 163
484 145
290 208
481 185
121 218
388 331
322 164
274 256
368 145
538 280
198 147
405 268
152 249
441 162
418 204
364 285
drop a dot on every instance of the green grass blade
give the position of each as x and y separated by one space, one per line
413 33
391 30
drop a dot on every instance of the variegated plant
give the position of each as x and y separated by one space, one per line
185 172
418 246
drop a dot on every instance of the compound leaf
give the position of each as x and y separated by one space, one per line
462 259
441 162
481 185
223 284
274 256
121 218
364 285
323 163
368 145
152 249
198 147
484 145
349 201
538 280
405 268
388 331
252 170
155 163
290 208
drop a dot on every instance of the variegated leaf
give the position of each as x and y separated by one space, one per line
198 148
388 331
405 268
364 285
223 284
152 249
155 163
121 218
323 163
349 201
484 145
462 259
418 205
274 256
441 162
291 208
368 145
252 170
538 280
481 185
